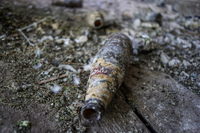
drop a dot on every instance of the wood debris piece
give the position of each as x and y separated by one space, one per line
74 63
52 79
33 24
68 3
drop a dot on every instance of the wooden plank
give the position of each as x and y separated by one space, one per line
119 117
165 104
40 123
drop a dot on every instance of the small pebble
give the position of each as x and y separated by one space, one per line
186 63
81 39
136 23
174 62
164 58
150 25
55 26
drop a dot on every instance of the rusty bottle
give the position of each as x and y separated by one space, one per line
106 76
95 19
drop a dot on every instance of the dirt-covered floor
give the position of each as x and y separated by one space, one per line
45 52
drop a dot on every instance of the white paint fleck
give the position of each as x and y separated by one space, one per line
87 67
38 52
67 67
76 80
198 106
56 88
38 66
46 38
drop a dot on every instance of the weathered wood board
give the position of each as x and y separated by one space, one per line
119 117
165 104
9 118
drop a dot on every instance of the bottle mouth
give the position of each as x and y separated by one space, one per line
91 114
92 110
98 23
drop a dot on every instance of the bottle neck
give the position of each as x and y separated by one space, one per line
93 109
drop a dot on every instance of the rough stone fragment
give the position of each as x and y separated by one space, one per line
164 58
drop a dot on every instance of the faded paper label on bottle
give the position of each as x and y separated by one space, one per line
101 70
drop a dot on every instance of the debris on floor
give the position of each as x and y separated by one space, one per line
46 52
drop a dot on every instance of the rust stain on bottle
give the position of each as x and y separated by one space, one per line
108 69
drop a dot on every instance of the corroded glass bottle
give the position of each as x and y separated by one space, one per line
108 69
